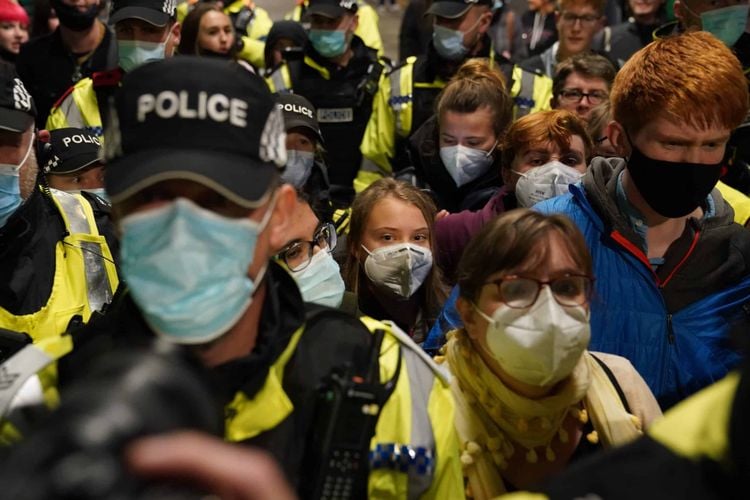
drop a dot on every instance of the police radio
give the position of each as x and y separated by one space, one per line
347 410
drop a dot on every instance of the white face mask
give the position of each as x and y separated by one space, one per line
320 282
541 183
541 345
466 164
401 268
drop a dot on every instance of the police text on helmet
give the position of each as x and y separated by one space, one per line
296 108
215 107
80 139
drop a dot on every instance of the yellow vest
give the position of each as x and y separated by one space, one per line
391 118
78 108
416 421
367 28
85 280
85 277
738 201
254 41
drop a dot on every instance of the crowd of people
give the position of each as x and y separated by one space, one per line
260 259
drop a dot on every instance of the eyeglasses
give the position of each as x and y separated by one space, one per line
575 95
586 19
520 293
298 254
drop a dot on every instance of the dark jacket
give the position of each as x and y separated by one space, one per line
28 242
625 39
429 168
48 69
416 30
330 339
454 231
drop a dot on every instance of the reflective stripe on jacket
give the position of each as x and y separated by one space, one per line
77 108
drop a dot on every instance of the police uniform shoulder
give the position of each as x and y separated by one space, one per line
98 204
110 78
79 86
409 61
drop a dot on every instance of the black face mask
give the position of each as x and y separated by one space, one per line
72 18
672 189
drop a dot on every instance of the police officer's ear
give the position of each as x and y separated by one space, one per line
618 138
355 23
174 39
278 225
485 20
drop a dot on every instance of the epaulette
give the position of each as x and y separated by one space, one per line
109 78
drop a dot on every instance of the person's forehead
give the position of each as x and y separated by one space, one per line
395 213
583 82
303 223
551 147
666 127
214 17
580 8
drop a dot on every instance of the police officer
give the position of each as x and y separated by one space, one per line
367 28
251 24
146 31
193 171
339 75
55 262
70 162
405 100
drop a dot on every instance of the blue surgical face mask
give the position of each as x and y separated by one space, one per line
320 282
298 167
187 269
329 43
134 53
449 43
100 192
10 187
727 24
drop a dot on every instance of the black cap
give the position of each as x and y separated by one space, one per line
156 12
69 150
195 118
17 110
332 8
453 9
298 112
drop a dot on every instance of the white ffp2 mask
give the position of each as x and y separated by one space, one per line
540 345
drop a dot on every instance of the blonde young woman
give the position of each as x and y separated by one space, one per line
530 398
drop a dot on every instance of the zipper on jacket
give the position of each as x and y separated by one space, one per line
670 331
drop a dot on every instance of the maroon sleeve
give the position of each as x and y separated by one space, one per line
453 232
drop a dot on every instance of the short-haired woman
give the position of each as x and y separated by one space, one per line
530 398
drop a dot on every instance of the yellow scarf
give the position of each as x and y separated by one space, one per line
493 421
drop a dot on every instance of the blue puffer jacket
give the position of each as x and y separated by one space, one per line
677 350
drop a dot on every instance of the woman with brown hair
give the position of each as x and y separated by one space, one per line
541 154
208 31
456 151
530 398
389 256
